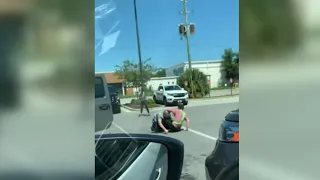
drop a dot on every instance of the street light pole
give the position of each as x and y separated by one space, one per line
138 39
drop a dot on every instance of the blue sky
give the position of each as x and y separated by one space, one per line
217 28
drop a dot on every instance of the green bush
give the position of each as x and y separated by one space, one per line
138 101
200 83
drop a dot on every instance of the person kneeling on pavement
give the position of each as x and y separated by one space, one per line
170 120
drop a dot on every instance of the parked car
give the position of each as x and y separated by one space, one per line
226 150
115 100
170 94
103 107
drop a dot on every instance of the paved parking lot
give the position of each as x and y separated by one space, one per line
199 141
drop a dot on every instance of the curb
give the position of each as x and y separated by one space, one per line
191 100
132 109
215 97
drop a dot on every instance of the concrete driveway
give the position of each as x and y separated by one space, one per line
199 141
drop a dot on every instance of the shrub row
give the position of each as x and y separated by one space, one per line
138 101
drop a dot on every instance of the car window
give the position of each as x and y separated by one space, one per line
232 116
99 87
115 157
170 88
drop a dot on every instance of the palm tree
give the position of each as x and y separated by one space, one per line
200 83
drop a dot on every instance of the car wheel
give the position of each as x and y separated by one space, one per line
186 103
165 103
117 111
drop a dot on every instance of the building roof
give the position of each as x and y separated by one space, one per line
111 77
201 62
163 78
198 62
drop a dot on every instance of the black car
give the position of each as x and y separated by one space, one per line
115 100
226 150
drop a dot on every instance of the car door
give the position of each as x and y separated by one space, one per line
129 160
103 108
160 93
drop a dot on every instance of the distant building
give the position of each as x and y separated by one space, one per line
154 83
210 68
118 84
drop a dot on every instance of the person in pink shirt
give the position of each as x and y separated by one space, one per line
178 117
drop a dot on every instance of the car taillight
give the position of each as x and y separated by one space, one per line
235 137
229 134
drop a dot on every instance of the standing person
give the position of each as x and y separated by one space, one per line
143 100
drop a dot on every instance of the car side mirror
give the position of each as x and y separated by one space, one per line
182 88
121 156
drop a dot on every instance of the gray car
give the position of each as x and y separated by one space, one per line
103 107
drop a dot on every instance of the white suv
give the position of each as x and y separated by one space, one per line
171 94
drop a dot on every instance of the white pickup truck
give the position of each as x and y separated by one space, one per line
170 94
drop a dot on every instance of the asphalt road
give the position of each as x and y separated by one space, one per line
199 141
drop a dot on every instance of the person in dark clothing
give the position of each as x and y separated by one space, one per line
144 102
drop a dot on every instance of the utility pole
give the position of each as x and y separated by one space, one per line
185 13
138 41
186 30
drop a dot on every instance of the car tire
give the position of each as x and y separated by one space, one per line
118 111
165 103
186 103
155 99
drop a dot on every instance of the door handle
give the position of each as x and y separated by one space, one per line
158 171
104 107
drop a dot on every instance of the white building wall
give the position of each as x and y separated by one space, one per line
176 70
211 68
155 82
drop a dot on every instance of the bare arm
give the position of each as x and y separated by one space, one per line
187 123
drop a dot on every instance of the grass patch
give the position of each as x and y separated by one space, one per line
222 88
217 97
137 106
135 95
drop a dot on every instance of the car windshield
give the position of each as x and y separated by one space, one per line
233 116
170 88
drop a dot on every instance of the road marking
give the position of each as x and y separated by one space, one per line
202 134
190 130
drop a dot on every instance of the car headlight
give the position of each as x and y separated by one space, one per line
170 94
